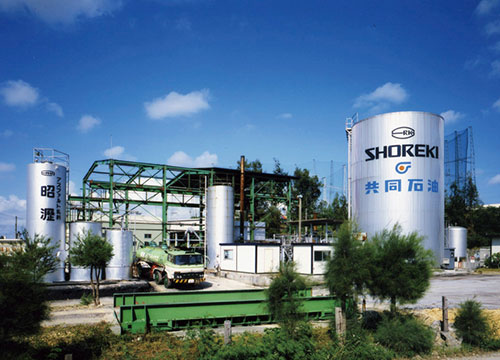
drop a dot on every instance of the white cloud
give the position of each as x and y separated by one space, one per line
495 68
284 116
87 123
6 133
175 104
206 160
10 208
6 167
496 105
471 64
492 28
114 152
61 11
180 158
494 180
451 116
55 108
19 93
382 97
72 188
486 6
183 24
118 152
496 47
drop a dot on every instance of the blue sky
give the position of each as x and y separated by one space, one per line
201 82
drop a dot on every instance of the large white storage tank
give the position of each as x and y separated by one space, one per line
219 217
119 268
397 175
81 229
46 209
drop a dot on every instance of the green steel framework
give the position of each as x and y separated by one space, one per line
109 185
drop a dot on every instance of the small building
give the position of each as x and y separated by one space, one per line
254 258
311 258
495 246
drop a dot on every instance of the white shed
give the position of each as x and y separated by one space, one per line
252 258
311 258
495 246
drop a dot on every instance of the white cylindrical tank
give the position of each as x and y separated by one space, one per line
46 209
397 176
457 239
81 229
119 268
219 217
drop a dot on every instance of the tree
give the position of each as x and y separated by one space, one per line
37 259
309 187
94 252
462 204
273 220
255 166
336 210
347 269
283 297
400 268
22 293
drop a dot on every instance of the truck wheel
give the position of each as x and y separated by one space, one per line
167 282
138 269
157 276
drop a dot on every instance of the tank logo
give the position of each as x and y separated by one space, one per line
403 132
48 173
405 150
403 167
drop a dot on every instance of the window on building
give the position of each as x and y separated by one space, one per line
322 255
147 236
228 254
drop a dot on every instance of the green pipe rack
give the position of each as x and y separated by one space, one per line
141 313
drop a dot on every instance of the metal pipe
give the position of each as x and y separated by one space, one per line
300 218
242 197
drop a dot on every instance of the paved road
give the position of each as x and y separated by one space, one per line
484 288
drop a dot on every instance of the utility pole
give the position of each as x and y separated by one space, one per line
300 218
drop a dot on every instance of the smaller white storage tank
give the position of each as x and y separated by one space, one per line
119 268
457 238
219 220
81 229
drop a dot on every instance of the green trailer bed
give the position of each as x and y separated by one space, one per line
181 315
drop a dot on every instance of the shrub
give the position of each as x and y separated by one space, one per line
405 335
283 299
371 319
358 345
86 299
493 261
471 323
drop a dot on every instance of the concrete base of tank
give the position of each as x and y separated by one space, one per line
75 289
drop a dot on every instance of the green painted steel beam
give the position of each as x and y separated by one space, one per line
186 297
134 202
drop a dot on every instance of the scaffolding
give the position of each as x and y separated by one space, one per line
459 162
114 189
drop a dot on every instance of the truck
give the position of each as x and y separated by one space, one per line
170 265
